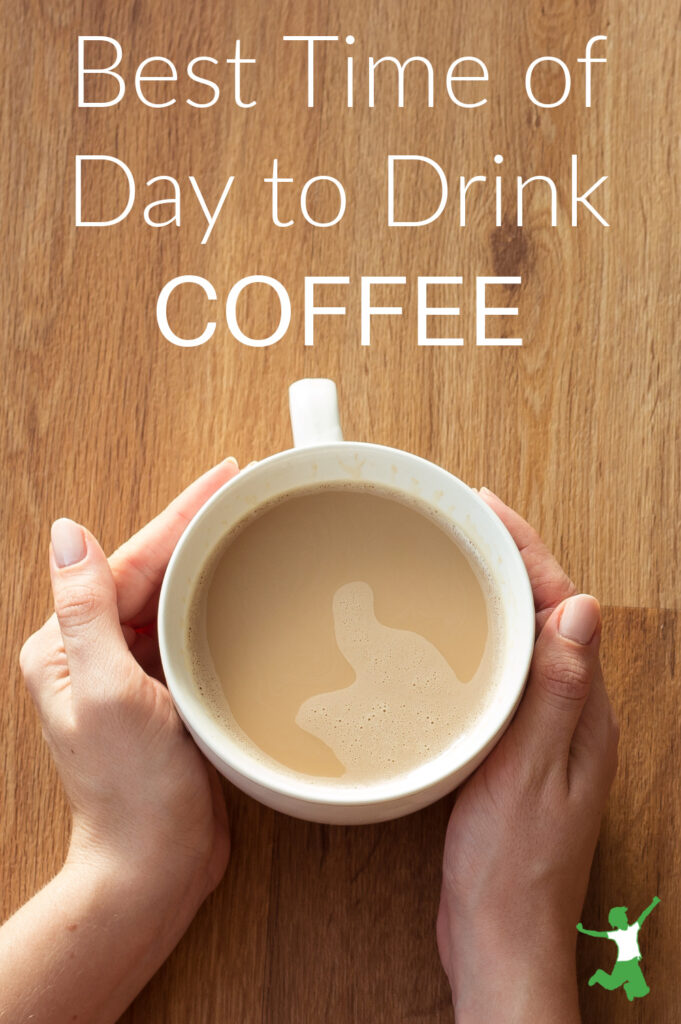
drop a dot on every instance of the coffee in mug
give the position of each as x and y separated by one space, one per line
345 633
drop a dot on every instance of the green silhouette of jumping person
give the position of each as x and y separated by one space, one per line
627 971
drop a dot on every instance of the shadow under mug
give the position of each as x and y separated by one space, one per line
320 456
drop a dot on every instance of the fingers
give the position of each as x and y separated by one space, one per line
139 564
86 608
550 584
564 666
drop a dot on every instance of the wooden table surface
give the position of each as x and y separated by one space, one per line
578 429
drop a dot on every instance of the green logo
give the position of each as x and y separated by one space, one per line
627 971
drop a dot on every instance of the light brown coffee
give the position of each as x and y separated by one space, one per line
345 635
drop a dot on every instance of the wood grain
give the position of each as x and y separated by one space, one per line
318 922
579 429
638 852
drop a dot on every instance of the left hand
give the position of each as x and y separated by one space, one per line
144 799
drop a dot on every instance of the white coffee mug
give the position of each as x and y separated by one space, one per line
321 456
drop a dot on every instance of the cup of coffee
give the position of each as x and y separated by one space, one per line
345 628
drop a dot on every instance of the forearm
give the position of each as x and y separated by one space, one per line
83 947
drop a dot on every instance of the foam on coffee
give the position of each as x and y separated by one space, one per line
345 635
405 704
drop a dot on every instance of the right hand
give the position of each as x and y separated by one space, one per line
522 834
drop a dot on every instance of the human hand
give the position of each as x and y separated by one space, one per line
144 800
524 827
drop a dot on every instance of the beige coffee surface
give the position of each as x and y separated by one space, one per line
347 634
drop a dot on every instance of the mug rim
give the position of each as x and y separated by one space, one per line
227 750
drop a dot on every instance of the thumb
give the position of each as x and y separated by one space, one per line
564 663
85 604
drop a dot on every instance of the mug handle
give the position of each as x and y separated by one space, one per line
313 405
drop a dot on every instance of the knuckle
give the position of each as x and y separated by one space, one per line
614 729
40 656
614 765
27 656
614 738
611 764
614 719
568 679
78 604
548 576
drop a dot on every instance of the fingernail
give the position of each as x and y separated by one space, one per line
230 458
68 542
579 618
254 463
486 490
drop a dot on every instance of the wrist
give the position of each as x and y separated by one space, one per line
150 858
151 896
511 981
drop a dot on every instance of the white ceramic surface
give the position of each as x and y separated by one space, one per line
322 457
